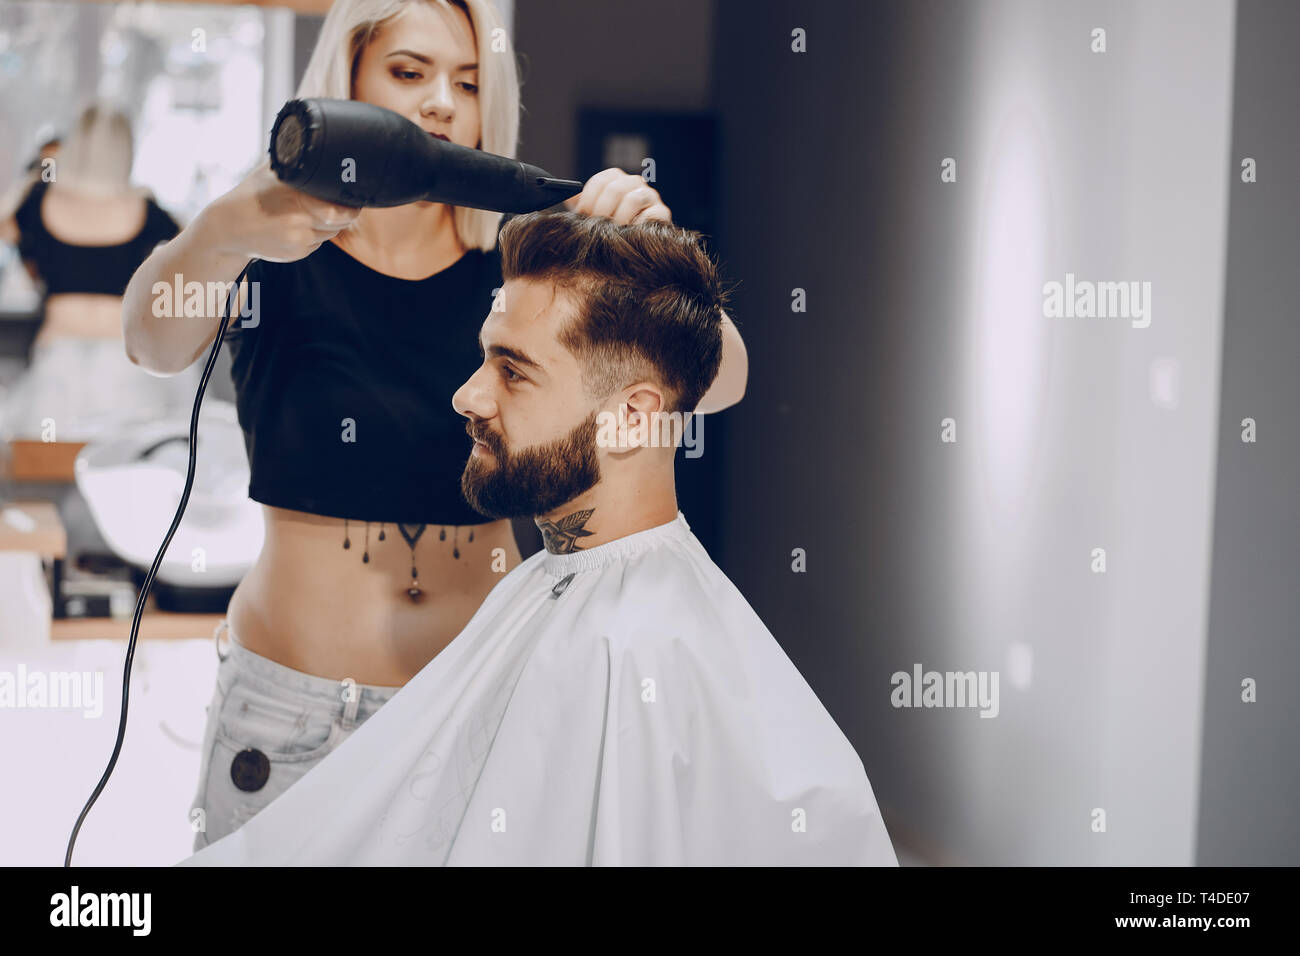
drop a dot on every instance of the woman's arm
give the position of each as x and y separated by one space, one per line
733 374
9 204
165 344
260 218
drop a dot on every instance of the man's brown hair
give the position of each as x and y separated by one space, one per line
650 299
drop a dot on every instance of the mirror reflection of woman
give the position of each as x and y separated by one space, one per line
367 323
82 229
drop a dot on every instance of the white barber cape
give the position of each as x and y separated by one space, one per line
620 705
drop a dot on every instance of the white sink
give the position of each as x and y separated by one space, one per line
132 481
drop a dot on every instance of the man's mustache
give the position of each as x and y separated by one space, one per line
485 436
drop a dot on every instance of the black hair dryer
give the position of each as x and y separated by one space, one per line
357 154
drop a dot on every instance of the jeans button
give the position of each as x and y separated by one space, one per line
250 770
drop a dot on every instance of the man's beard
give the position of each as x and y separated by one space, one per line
532 481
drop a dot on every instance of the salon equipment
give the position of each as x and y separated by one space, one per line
131 481
357 154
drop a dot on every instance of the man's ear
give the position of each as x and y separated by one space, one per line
644 398
640 412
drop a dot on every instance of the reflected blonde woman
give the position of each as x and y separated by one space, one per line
83 228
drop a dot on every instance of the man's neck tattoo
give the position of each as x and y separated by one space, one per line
561 537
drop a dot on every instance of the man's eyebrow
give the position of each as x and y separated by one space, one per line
424 59
508 352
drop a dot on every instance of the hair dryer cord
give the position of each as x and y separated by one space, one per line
157 561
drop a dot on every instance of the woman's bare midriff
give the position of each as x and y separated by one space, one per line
79 315
312 605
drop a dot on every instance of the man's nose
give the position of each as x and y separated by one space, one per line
471 399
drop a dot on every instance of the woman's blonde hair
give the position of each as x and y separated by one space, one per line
349 27
98 156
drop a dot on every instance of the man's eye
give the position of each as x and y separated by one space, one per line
508 371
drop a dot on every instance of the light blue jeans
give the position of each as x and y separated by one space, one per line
267 726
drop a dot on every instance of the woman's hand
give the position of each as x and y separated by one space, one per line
620 196
263 218
626 199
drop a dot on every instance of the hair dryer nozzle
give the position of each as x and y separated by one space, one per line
292 138
562 188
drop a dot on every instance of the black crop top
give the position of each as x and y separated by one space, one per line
65 267
344 386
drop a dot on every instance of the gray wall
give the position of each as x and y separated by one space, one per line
925 302
618 54
1250 779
